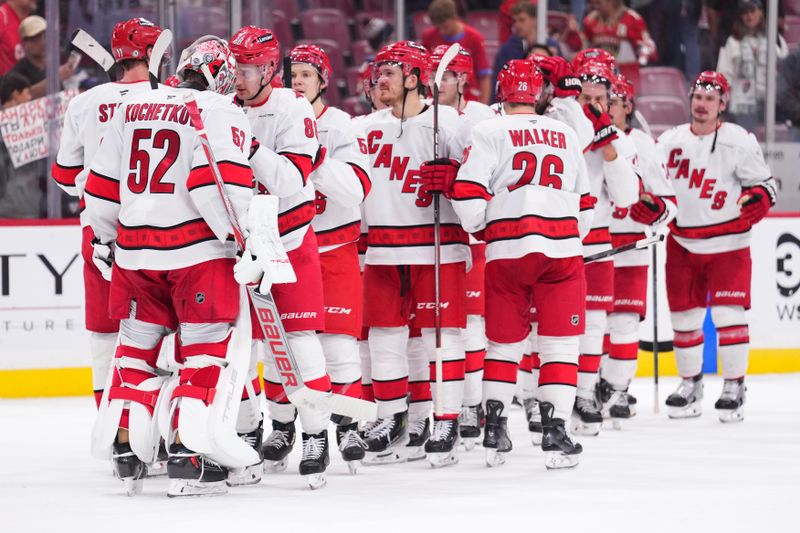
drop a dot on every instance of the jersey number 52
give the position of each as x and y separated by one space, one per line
139 168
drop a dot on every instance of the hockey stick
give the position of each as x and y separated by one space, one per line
655 329
89 46
269 318
641 243
287 72
157 54
642 122
437 224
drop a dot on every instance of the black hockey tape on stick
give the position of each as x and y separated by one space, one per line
642 243
287 72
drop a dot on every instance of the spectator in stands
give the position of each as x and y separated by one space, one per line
621 31
11 13
787 94
32 31
743 60
21 189
721 15
524 39
448 28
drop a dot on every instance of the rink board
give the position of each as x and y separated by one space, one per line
44 349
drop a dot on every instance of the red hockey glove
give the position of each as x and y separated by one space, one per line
604 130
439 175
649 210
321 153
755 203
560 75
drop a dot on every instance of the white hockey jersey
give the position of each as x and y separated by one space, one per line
521 184
652 170
341 182
476 112
570 112
708 184
615 184
85 122
286 131
398 213
151 189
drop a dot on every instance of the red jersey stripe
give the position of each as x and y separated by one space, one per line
102 187
551 228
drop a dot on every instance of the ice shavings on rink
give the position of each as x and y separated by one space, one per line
655 475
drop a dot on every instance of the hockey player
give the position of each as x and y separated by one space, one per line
154 208
85 123
455 84
399 268
341 184
723 187
615 184
655 208
521 184
284 125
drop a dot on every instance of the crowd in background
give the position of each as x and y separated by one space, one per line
687 35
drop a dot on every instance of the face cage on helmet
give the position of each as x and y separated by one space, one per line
708 87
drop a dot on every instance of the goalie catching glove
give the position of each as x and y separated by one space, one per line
264 260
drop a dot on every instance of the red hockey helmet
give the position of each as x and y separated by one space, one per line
315 56
595 72
211 57
256 46
365 77
621 87
519 81
460 64
594 55
408 55
710 80
132 38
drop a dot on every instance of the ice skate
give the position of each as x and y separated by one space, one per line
315 459
277 447
419 431
128 468
631 403
686 401
534 420
559 450
469 425
249 475
730 406
616 408
191 474
351 445
496 439
586 417
602 392
158 467
442 446
385 439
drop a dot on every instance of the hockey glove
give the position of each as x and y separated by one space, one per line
103 257
604 130
559 73
755 203
439 175
649 210
321 153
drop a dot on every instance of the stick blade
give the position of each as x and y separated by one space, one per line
89 46
334 403
448 56
157 54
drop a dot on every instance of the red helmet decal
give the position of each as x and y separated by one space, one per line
519 81
315 56
132 38
256 46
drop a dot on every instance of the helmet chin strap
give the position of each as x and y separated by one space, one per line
319 93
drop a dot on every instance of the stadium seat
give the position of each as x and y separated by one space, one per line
345 6
360 52
486 22
792 30
353 81
658 129
791 7
326 24
289 7
282 29
194 22
662 81
355 105
669 110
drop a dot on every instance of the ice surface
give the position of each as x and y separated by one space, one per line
655 475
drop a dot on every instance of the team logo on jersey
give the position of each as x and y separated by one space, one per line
574 320
199 297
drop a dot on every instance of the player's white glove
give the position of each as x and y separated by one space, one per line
103 257
264 259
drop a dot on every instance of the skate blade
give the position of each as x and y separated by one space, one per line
179 488
275 467
633 410
352 467
730 416
559 460
415 453
690 411
316 481
249 475
494 458
157 469
388 457
469 443
536 438
441 460
616 423
133 486
579 427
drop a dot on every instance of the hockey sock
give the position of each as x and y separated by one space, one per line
734 339
591 352
688 341
453 368
366 371
500 370
475 353
624 349
343 362
558 375
387 348
419 385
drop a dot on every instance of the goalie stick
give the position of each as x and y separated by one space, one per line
641 243
447 57
269 319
